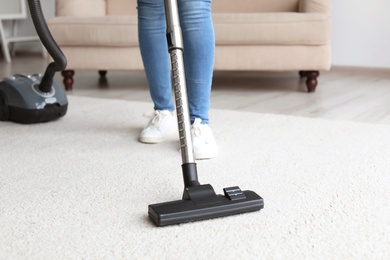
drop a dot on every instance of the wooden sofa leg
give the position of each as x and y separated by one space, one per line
102 73
311 81
302 73
103 82
68 79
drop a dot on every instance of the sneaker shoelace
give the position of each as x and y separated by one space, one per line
201 131
197 127
155 115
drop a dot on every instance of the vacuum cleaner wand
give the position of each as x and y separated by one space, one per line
199 201
175 48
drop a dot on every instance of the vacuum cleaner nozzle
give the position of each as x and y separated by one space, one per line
200 202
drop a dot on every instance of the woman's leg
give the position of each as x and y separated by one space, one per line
199 45
155 56
154 51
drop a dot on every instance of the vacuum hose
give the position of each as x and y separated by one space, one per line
51 46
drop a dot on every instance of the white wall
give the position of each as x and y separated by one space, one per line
361 33
26 27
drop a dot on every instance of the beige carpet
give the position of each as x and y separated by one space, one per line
79 188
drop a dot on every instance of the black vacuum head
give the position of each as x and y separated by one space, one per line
201 202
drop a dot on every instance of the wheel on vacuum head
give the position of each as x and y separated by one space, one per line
4 111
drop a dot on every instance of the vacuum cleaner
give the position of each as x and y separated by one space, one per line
199 202
29 99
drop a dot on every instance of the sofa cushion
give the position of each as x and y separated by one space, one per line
81 8
230 29
271 29
118 31
314 6
121 7
254 6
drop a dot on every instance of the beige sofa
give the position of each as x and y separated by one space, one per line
253 35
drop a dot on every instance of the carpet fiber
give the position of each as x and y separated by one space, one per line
79 188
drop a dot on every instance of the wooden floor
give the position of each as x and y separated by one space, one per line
351 94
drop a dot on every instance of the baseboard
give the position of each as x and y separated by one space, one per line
374 70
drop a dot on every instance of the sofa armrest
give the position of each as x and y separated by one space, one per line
85 8
314 6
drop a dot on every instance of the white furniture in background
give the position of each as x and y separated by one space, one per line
13 11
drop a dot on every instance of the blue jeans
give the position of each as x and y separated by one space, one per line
199 45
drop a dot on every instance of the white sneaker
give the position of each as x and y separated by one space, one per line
203 142
161 126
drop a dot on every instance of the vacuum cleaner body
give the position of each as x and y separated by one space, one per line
22 101
29 99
